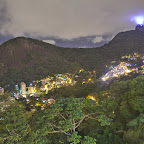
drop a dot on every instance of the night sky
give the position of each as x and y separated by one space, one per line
68 23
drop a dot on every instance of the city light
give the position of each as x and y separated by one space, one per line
91 97
124 68
139 20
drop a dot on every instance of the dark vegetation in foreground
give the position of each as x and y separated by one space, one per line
116 117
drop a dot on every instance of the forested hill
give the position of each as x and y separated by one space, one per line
27 59
96 58
24 52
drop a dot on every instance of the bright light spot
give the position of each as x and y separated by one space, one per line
89 79
127 71
139 20
91 97
105 78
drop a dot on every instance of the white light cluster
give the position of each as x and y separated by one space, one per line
139 20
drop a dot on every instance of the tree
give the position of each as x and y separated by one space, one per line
135 131
16 126
66 115
89 140
124 104
4 97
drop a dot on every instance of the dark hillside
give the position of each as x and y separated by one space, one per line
96 58
34 59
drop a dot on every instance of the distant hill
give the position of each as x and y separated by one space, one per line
22 52
26 59
96 58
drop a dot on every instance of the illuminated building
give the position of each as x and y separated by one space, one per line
73 83
23 88
51 101
140 23
42 88
31 90
43 81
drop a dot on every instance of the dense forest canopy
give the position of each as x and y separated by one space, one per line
115 116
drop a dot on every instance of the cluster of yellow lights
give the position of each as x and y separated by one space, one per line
124 71
83 82
70 80
91 97
105 78
81 70
130 56
89 79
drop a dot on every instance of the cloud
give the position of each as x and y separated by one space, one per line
109 38
69 19
50 41
98 39
4 16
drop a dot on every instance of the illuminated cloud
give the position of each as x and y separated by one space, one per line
139 20
50 41
109 38
4 16
68 19
98 39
